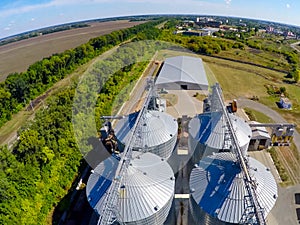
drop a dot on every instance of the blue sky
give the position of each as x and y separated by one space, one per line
17 16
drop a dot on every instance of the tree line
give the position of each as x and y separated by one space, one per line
41 167
19 88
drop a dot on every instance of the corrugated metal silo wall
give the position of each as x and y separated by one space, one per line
157 218
165 149
200 217
244 148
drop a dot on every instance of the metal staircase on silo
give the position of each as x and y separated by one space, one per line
109 209
254 213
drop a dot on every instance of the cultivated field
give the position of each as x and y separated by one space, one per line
16 57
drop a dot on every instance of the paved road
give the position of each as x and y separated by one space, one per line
284 211
242 102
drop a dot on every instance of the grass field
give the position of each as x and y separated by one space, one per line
258 116
27 52
269 59
240 80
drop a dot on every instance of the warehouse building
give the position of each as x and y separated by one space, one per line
182 73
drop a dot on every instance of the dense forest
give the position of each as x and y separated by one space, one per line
40 168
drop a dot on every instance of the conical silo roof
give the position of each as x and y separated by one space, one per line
146 191
156 130
218 186
210 129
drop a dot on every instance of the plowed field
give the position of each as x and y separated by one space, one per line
17 56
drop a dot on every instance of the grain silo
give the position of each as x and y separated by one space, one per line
218 191
156 132
146 192
208 133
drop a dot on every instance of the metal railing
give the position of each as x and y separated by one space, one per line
254 212
109 213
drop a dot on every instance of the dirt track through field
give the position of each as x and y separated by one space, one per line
17 56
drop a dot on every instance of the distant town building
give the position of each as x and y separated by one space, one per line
277 32
204 19
289 35
198 33
210 30
187 23
192 33
269 29
262 30
208 22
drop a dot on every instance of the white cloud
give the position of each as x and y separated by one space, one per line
288 6
32 19
227 2
6 28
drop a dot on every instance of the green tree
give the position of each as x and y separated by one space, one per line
282 90
296 75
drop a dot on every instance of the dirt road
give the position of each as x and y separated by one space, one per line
294 46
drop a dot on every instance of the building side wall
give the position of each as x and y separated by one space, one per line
181 86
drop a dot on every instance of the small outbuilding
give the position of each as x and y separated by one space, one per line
182 73
285 103
260 139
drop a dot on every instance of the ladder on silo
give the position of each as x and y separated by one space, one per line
254 212
109 213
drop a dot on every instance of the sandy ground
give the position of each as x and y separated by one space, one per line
186 105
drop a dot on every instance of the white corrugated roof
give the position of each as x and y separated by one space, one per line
219 189
182 68
155 129
259 131
147 186
210 128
